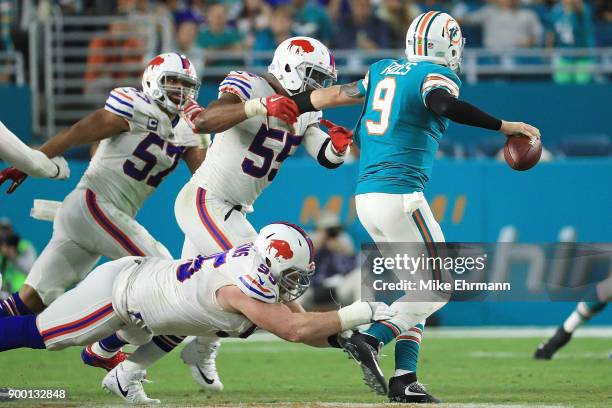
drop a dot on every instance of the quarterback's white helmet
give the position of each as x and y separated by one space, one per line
435 36
171 80
289 254
303 63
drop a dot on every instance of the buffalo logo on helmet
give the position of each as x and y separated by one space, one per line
302 46
156 61
282 248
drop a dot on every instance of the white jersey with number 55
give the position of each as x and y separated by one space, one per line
243 160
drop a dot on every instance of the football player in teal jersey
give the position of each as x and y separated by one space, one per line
407 106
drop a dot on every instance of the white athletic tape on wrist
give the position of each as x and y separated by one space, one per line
354 315
254 107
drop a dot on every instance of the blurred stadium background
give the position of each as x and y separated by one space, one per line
542 61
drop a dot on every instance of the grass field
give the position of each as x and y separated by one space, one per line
461 371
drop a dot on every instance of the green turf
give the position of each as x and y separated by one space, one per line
493 371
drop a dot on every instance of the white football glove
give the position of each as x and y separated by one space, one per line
360 313
62 167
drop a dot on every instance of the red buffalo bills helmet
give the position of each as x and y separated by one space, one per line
289 254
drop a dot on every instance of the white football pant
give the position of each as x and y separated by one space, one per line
399 218
86 227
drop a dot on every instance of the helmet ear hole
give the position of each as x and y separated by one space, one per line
287 68
268 262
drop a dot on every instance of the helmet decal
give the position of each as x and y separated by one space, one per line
302 46
282 247
156 61
453 31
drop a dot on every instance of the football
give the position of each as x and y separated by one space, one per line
521 153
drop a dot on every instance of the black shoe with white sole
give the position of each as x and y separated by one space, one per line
547 350
406 389
364 350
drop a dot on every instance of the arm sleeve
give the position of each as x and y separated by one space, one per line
238 83
32 162
318 145
444 104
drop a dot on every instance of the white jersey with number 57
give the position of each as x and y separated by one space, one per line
128 167
243 160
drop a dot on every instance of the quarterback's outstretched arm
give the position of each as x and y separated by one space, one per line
322 98
30 161
444 104
278 319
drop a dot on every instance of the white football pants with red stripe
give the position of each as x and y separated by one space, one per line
86 314
210 223
86 227
402 218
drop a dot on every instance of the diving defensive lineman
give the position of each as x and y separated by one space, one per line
228 294
407 107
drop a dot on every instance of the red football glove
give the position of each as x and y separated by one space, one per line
11 173
190 113
340 136
282 108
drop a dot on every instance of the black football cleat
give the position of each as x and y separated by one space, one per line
546 350
406 390
364 350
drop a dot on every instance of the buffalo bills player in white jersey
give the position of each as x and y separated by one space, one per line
227 294
257 127
142 139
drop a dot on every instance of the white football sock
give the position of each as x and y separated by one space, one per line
145 356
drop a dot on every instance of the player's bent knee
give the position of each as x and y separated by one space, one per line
30 297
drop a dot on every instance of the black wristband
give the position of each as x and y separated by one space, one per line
302 100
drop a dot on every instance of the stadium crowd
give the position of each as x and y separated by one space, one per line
259 25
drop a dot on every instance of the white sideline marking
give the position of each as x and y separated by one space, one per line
466 332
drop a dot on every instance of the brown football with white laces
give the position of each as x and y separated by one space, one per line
522 153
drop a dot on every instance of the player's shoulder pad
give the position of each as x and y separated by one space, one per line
127 102
444 71
251 274
438 76
240 83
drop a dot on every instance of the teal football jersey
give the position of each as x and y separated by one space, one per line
397 134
